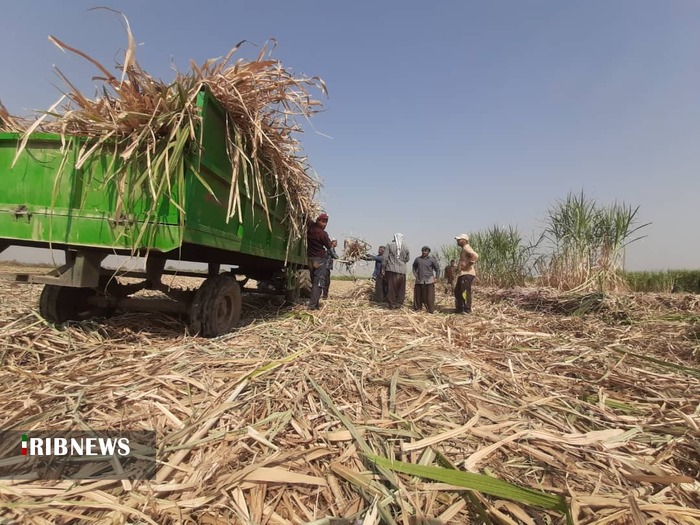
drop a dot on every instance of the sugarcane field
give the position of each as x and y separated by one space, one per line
193 332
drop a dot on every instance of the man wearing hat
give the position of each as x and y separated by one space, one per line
465 275
318 243
425 269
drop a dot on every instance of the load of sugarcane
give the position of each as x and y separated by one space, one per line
148 121
355 249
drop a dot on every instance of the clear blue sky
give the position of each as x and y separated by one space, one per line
443 117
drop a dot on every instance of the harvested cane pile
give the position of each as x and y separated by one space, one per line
10 123
148 127
354 251
287 420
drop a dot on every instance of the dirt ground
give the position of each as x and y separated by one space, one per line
591 400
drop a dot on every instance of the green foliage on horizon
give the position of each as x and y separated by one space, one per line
682 281
336 277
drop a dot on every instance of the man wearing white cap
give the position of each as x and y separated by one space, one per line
465 275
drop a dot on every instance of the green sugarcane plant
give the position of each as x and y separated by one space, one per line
585 243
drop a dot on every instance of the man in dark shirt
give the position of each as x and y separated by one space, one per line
317 243
426 271
379 281
450 277
330 255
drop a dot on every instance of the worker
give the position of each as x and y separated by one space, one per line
426 270
466 274
450 272
396 256
317 244
377 277
330 255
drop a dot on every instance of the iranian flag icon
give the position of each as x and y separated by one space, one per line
24 444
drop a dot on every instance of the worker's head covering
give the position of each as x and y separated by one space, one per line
398 238
462 236
322 217
425 249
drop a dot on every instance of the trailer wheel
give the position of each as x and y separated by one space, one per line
293 294
216 308
59 304
304 279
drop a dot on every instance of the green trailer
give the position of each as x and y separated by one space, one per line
49 199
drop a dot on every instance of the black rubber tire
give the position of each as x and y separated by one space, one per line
304 279
216 308
59 304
